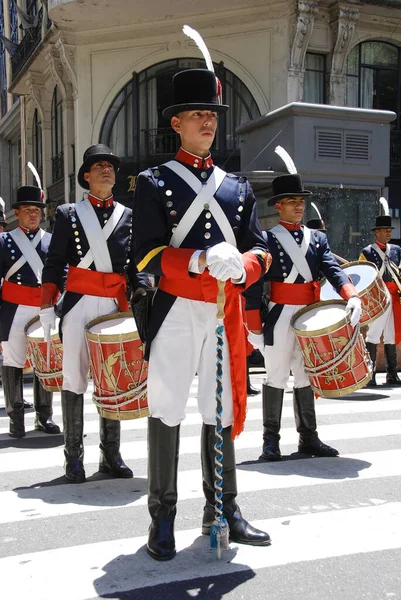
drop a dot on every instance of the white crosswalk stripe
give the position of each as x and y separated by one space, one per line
346 494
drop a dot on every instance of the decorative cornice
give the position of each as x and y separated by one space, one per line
307 12
55 68
34 83
67 56
343 31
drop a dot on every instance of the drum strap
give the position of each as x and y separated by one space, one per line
204 195
97 237
297 254
28 251
388 264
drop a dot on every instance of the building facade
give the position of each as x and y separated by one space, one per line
83 72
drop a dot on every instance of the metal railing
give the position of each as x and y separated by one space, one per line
395 148
57 167
162 140
31 39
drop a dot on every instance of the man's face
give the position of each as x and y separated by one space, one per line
101 175
383 235
291 209
29 216
197 129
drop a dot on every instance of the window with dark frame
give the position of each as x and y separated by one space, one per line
57 136
37 144
315 78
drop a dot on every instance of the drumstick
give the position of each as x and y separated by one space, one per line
48 350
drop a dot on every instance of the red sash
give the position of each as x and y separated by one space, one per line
96 283
204 288
294 293
395 296
20 294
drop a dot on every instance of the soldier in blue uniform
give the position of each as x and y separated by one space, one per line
299 255
22 253
194 225
92 237
387 258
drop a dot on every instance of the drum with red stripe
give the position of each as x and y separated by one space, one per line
335 356
118 369
369 285
50 376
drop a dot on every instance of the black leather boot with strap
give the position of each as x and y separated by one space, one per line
390 350
272 409
240 530
12 387
372 349
111 461
305 419
43 403
73 425
163 451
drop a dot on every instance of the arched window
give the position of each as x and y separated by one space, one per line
57 137
37 144
3 74
135 129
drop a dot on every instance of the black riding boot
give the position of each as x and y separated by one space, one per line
305 420
43 402
391 364
372 349
250 390
240 530
272 409
163 451
110 458
12 387
73 425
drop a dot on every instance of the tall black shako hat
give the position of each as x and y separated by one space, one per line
284 186
29 195
316 224
195 89
3 221
383 222
94 154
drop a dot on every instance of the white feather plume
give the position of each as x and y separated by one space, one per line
2 205
35 174
313 205
384 204
197 38
287 160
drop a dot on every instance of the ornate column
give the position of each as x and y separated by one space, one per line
306 14
343 28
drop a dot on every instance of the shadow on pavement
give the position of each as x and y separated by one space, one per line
321 468
189 565
34 440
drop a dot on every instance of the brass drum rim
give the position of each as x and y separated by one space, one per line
115 337
316 332
123 415
338 392
352 262
53 337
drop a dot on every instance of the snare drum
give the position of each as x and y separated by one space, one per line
50 377
118 369
335 356
370 287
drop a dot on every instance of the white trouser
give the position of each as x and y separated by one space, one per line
185 345
285 354
15 349
75 349
383 325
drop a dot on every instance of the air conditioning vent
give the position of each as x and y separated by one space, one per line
329 144
357 147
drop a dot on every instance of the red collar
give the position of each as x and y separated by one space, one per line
194 161
26 230
290 226
106 203
381 246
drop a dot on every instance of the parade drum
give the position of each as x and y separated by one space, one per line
28 368
370 287
51 377
118 369
335 356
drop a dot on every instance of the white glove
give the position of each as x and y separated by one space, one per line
224 252
257 341
354 305
47 318
222 271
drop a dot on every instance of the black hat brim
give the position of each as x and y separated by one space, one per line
383 227
85 167
272 201
175 109
28 203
